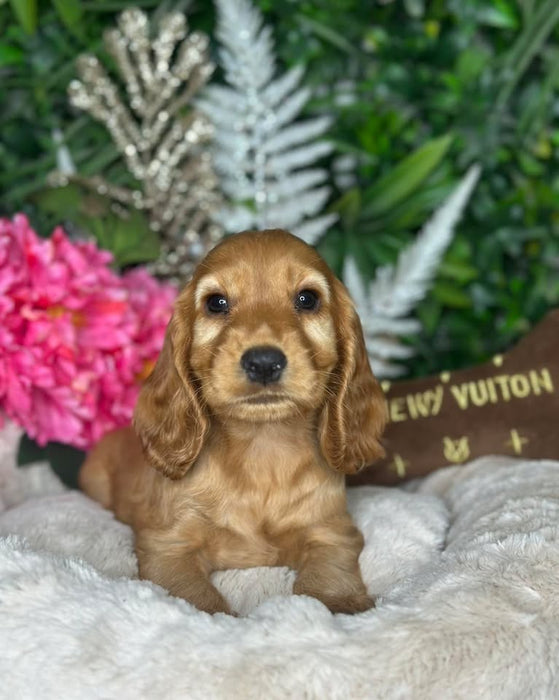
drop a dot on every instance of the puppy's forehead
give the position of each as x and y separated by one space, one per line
265 263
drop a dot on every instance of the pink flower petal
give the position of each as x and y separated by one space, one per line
75 337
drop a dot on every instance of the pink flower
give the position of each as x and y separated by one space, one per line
76 339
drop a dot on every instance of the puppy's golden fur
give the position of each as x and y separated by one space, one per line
229 472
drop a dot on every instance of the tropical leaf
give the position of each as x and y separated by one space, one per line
405 178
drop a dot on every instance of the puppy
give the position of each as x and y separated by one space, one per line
262 399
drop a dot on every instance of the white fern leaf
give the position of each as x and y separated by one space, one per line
387 348
297 157
356 286
380 325
232 187
231 156
400 288
312 230
344 168
247 54
384 303
304 180
297 134
238 218
223 97
384 369
265 156
276 92
307 204
291 106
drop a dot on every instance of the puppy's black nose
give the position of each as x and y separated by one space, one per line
263 364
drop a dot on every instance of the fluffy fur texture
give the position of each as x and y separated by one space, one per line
243 463
468 600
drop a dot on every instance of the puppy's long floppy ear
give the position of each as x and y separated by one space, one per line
169 417
355 412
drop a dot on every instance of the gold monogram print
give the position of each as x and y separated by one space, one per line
456 450
399 465
473 394
516 441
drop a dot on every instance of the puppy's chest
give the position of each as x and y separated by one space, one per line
254 515
257 527
267 501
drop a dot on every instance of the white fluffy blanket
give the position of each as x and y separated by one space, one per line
466 565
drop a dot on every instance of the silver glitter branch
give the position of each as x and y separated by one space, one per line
266 157
162 140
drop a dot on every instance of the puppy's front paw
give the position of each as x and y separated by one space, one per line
349 604
203 596
212 607
352 604
212 602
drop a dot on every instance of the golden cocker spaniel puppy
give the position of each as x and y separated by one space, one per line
261 401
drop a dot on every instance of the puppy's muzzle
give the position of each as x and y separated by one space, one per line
263 364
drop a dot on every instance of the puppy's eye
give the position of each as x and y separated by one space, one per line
217 304
306 300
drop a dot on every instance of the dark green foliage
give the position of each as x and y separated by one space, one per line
436 86
486 72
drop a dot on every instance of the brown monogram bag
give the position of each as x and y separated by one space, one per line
508 406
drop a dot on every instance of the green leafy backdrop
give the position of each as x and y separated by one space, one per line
434 87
